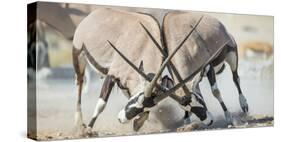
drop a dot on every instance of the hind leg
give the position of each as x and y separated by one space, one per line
87 81
232 60
79 64
212 80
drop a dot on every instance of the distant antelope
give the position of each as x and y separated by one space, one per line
256 47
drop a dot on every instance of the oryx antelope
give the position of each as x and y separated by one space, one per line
208 47
106 36
204 42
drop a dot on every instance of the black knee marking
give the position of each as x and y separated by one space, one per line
108 84
211 75
223 106
186 114
92 122
236 81
212 80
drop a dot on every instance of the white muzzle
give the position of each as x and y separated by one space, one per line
122 117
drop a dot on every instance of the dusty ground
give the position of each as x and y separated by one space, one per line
56 97
56 107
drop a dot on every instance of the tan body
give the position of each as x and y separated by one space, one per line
202 44
122 29
208 38
91 44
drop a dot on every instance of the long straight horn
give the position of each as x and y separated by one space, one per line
153 40
150 87
129 62
172 68
136 68
180 84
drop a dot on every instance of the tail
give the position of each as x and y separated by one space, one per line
79 67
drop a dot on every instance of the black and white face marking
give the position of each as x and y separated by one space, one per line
198 107
136 105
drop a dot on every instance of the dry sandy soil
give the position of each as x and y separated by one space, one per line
56 95
56 106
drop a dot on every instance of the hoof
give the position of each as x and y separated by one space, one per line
228 118
80 127
187 121
243 103
90 133
189 127
79 130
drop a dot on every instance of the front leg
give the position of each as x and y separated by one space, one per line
108 84
187 115
78 122
216 92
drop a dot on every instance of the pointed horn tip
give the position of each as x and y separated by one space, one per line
157 75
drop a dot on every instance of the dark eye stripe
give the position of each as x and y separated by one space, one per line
199 112
133 101
132 112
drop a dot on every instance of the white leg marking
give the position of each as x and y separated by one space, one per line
78 119
243 101
228 117
87 81
216 92
231 60
214 87
99 107
238 79
188 120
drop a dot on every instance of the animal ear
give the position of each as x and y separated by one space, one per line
141 66
143 81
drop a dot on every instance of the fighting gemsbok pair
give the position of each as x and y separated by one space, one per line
132 50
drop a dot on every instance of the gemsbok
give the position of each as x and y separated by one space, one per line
208 47
113 42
